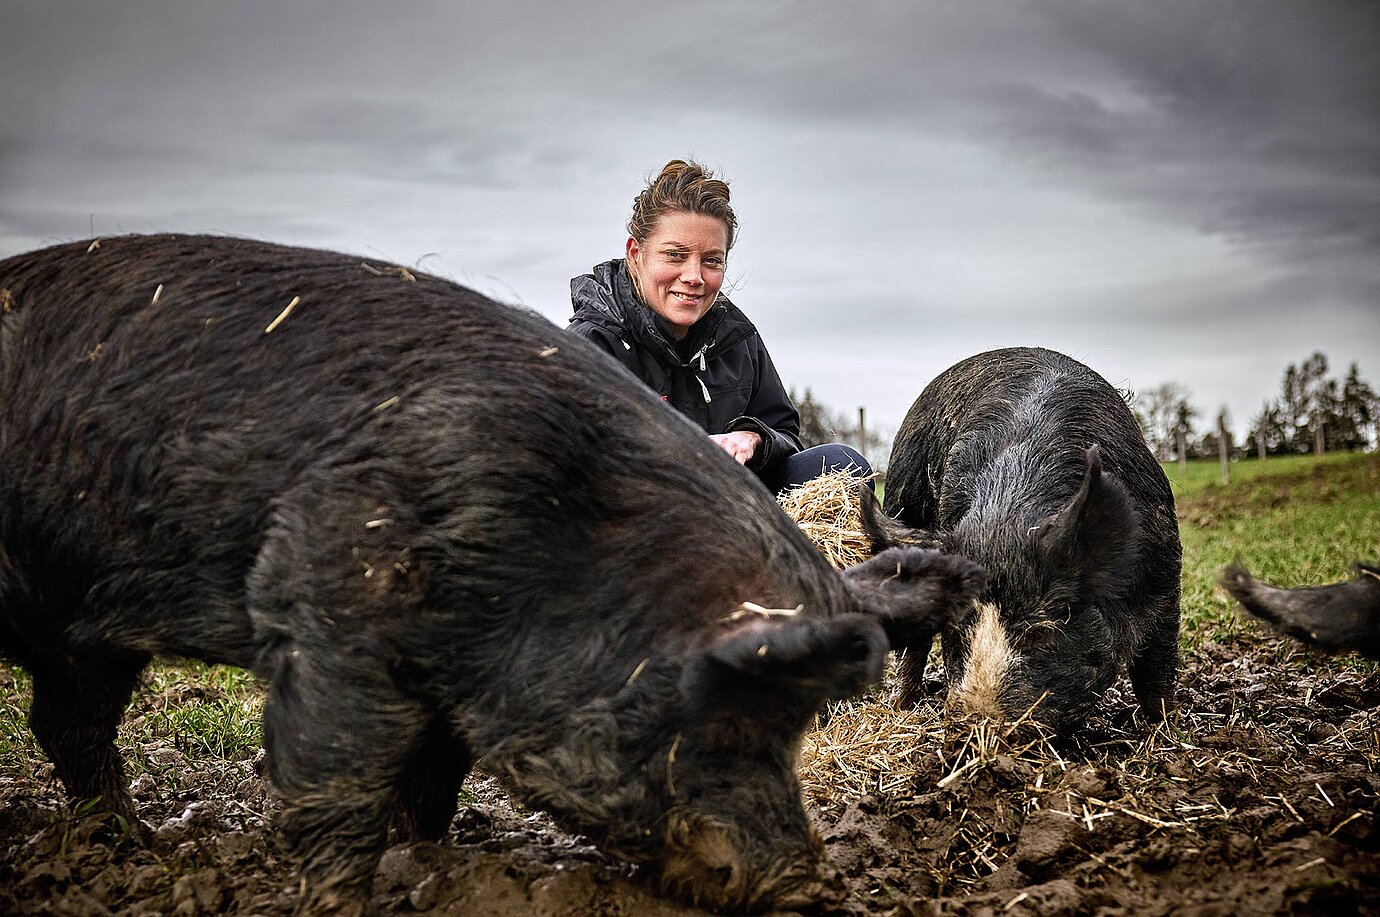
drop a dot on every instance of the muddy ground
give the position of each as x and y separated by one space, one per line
1260 796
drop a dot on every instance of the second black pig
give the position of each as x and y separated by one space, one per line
442 531
1031 464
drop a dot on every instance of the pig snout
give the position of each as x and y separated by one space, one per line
710 864
1052 672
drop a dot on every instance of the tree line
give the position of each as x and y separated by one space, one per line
1313 412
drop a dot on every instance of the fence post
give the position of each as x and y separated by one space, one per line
1223 452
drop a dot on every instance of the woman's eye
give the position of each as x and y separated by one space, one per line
714 262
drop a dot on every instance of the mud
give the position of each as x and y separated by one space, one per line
1260 796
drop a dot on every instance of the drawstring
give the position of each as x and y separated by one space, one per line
699 355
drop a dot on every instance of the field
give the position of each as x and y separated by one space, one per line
1259 795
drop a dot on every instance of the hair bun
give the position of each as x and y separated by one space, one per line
683 185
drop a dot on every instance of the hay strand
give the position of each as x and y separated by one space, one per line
282 315
826 510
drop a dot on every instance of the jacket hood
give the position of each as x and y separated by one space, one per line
605 297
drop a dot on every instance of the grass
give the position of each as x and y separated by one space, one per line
182 710
1204 474
1293 521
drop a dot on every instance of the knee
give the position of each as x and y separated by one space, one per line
832 457
845 458
821 460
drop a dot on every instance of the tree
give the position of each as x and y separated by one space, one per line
1165 414
1357 412
1183 425
819 425
1293 405
1318 397
816 425
1317 414
1268 434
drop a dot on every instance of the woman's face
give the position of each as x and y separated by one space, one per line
681 267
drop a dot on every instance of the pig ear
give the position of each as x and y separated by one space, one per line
884 532
914 593
811 659
1092 538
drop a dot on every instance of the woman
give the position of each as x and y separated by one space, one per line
660 313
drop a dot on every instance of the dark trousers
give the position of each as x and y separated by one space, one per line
818 460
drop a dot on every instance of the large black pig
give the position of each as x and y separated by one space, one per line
1029 463
443 532
1335 618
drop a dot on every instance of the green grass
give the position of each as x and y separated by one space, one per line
1292 521
1203 474
220 718
192 709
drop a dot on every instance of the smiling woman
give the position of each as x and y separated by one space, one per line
661 313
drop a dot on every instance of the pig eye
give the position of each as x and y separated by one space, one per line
1093 658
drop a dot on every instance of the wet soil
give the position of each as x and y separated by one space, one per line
1260 796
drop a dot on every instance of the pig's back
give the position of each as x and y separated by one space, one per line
150 423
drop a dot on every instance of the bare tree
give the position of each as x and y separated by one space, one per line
1166 418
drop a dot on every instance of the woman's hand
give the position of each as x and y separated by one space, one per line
741 444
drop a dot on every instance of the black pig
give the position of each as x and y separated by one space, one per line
1029 463
1335 618
443 532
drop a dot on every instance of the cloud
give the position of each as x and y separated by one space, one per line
1156 188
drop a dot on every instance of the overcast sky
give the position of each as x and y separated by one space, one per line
1174 190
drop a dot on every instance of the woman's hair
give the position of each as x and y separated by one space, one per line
686 187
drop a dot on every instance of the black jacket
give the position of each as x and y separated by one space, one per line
719 375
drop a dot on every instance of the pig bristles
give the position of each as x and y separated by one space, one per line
752 608
826 510
156 293
385 405
95 244
989 660
282 315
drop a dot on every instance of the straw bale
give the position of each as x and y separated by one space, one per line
826 510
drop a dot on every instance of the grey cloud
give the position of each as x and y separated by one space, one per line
1138 183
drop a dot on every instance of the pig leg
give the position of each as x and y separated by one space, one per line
339 737
911 674
1155 668
430 784
76 712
